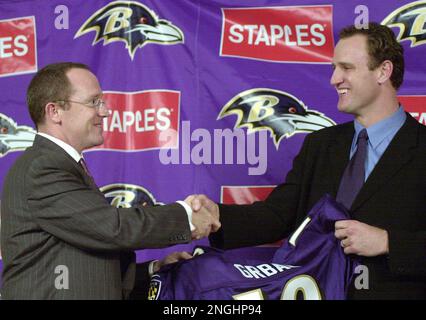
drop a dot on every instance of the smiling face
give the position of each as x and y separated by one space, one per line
82 124
356 84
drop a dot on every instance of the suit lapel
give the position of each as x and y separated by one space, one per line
396 156
42 142
339 153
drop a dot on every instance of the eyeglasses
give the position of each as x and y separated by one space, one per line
96 103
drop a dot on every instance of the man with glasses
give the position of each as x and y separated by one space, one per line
60 238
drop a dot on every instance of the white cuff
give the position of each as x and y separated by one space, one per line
188 210
151 268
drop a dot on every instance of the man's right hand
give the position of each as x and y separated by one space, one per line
205 215
200 201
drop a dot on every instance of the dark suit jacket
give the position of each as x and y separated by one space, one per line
393 198
54 215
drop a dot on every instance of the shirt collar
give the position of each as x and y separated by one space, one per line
380 130
68 149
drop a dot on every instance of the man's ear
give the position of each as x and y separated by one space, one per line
384 71
53 112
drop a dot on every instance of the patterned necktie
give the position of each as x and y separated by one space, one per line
84 166
354 175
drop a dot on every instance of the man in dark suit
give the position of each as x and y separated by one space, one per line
60 239
388 227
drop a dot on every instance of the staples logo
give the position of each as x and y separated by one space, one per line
416 106
138 118
279 34
18 54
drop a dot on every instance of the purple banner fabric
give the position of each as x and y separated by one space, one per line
188 75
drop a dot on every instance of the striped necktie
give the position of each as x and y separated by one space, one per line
354 175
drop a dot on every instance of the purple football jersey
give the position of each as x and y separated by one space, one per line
310 265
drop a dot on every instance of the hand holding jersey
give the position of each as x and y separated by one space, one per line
171 258
361 239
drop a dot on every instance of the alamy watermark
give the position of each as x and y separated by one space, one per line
62 17
362 20
362 280
223 146
62 280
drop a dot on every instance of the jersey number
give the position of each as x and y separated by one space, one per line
304 284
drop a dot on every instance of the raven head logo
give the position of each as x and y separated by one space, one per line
131 22
14 137
123 195
277 111
154 287
411 20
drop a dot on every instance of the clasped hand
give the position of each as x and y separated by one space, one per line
205 215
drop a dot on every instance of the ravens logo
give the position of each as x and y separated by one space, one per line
411 20
277 111
131 22
154 288
128 195
14 137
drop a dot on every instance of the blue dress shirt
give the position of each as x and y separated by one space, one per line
379 137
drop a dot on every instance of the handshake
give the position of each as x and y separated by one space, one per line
205 216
